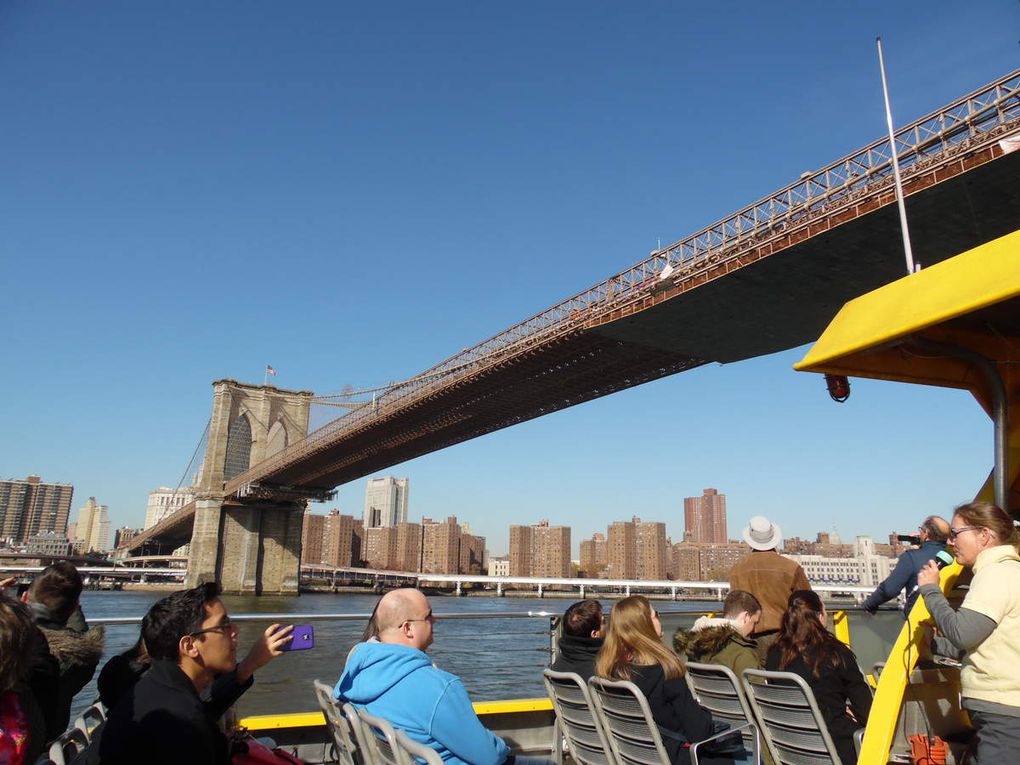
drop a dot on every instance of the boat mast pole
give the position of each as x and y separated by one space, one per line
907 250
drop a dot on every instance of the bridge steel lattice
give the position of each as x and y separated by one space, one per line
790 260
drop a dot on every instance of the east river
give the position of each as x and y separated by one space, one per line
496 658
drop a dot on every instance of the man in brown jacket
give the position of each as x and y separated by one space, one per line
768 576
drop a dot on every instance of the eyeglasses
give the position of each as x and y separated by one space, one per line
223 627
954 533
427 618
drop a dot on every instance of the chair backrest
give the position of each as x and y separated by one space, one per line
364 740
721 693
72 743
415 749
794 729
339 726
90 719
383 738
628 722
578 719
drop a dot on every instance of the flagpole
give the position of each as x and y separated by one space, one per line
265 378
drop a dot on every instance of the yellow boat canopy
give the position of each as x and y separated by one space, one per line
971 301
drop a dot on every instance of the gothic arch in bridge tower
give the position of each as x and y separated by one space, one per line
238 453
278 438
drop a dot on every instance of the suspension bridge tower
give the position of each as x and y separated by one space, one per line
251 545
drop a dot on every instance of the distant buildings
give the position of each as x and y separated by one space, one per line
92 529
593 557
540 550
385 502
164 502
333 539
705 518
122 536
499 566
633 549
28 506
49 543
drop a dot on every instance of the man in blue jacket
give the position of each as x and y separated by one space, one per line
933 532
396 680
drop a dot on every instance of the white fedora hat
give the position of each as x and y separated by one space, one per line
762 534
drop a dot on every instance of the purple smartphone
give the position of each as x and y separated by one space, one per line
303 638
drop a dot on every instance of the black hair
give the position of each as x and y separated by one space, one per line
58 587
583 618
175 616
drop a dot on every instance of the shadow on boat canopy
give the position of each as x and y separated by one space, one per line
955 325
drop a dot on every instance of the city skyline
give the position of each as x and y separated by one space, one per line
370 213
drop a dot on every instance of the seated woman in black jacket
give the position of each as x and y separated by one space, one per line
806 648
633 650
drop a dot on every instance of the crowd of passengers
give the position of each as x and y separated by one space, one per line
166 694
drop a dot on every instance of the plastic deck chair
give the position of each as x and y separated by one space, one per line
414 749
721 693
794 729
90 719
339 727
364 739
383 738
630 727
578 718
65 749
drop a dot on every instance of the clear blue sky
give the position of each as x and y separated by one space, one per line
355 191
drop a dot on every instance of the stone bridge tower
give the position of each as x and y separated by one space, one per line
250 547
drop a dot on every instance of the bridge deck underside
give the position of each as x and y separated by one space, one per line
770 300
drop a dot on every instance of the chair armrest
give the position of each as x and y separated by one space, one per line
722 733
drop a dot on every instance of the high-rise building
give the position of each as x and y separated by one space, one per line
540 550
381 547
165 501
29 507
686 562
621 551
341 540
123 535
409 547
705 518
472 553
385 502
440 546
593 556
313 532
652 557
92 531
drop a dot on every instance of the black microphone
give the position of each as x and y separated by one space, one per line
942 559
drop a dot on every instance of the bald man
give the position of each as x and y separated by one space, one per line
396 680
933 532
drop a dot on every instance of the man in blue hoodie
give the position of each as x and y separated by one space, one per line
396 680
932 532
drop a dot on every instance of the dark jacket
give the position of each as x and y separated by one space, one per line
714 641
119 675
833 688
77 652
43 680
904 576
673 708
163 721
577 654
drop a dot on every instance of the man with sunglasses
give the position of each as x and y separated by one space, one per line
395 679
932 533
171 714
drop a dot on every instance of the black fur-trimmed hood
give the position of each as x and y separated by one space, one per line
72 648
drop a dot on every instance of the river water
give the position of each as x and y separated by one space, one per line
496 658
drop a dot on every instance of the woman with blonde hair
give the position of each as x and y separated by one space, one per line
985 631
633 651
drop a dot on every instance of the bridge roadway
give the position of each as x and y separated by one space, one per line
766 279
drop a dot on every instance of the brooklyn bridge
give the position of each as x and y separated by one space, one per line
767 278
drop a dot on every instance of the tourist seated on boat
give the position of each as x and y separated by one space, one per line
985 631
121 672
394 678
193 647
932 535
22 726
53 600
583 626
726 640
633 651
806 648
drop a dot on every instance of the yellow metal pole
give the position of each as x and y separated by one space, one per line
841 627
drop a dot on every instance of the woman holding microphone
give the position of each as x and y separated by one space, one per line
985 631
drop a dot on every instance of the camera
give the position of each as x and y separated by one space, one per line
909 539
